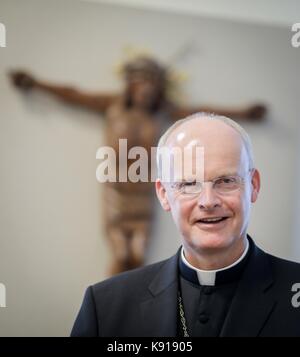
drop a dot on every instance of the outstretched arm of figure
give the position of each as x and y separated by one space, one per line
255 112
95 102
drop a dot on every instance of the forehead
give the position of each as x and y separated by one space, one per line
223 147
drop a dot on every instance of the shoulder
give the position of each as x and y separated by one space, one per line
124 283
282 272
280 269
284 268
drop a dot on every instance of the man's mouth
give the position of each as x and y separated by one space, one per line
212 220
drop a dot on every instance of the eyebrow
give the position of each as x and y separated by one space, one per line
192 179
232 173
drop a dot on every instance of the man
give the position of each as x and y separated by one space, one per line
219 283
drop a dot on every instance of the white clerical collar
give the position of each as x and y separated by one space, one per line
208 277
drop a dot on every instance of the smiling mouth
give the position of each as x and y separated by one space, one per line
212 220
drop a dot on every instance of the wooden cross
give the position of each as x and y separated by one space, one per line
135 114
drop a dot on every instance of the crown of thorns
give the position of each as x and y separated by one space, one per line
144 66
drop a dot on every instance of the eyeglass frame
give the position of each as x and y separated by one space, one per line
241 183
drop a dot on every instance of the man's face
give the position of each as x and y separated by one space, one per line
143 91
224 154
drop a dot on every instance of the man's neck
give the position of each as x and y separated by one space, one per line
214 260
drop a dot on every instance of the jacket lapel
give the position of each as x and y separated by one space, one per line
159 312
253 302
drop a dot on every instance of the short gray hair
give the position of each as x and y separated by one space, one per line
200 116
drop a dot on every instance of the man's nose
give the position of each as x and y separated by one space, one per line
208 198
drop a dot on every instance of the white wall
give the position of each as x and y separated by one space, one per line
254 11
52 243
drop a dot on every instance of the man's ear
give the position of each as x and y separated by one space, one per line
255 182
162 195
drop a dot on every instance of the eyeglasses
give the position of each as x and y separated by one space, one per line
222 185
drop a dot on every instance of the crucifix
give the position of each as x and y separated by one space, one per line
136 114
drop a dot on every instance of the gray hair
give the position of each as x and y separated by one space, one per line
200 116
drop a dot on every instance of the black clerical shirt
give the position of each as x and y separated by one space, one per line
206 306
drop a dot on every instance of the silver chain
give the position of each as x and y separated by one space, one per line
182 317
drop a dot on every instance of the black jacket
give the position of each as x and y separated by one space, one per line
143 302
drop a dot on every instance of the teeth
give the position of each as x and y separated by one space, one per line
211 219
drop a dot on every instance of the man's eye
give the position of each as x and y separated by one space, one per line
182 185
225 180
189 183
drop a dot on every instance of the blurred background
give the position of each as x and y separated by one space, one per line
52 240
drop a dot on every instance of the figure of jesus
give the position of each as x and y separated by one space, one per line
137 114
